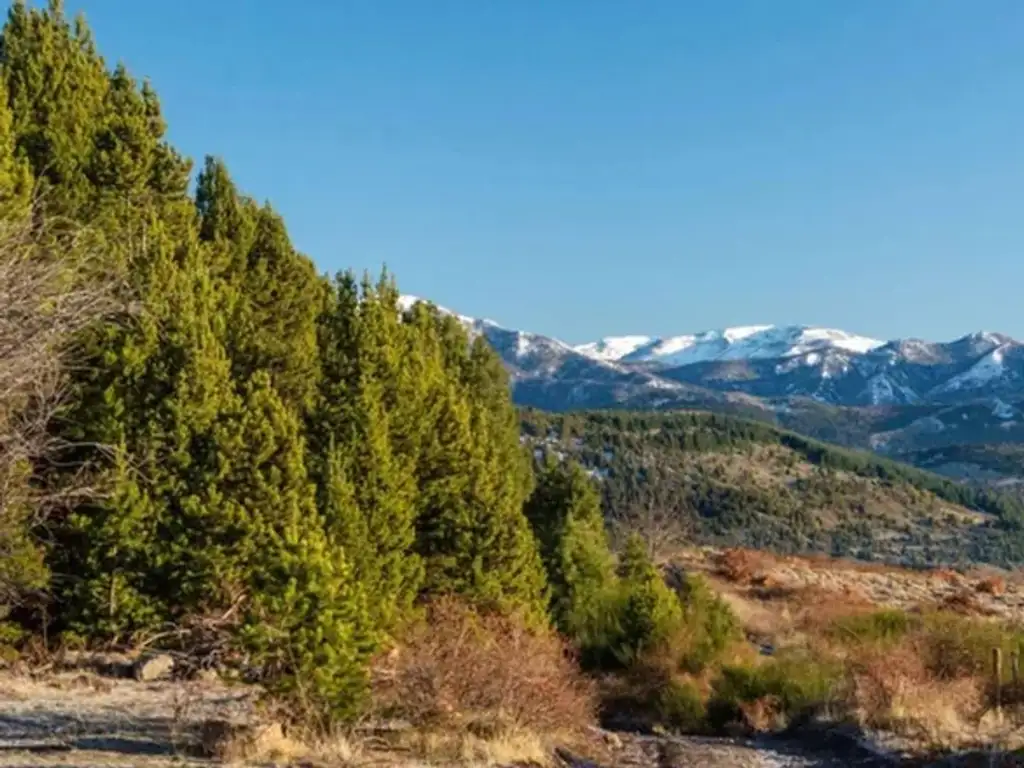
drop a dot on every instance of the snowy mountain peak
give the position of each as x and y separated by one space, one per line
613 347
750 366
752 342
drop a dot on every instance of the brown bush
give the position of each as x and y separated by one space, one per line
893 689
815 608
743 566
993 585
485 673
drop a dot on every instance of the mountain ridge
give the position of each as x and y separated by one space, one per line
899 397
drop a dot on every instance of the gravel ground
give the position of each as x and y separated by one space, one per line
83 720
698 752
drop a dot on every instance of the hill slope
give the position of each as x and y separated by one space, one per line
731 481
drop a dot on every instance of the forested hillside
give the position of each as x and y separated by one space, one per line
721 479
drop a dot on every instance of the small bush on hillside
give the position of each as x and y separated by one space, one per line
743 566
954 646
679 706
486 673
796 685
993 585
710 624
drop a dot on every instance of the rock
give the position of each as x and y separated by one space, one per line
155 667
208 675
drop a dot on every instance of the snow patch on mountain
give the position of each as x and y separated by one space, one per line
613 347
1003 410
986 370
882 390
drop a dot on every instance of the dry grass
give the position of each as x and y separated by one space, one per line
236 744
513 747
911 650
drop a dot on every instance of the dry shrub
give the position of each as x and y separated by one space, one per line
763 715
743 566
993 585
883 679
894 690
483 673
964 602
51 288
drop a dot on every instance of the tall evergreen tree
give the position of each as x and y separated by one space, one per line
474 479
361 340
270 289
565 511
15 176
57 84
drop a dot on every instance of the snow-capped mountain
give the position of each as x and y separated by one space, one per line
547 373
766 361
756 342
906 397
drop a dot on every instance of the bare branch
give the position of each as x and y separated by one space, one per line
51 287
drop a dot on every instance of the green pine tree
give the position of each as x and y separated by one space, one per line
57 85
474 478
307 623
650 612
360 338
565 512
270 289
15 176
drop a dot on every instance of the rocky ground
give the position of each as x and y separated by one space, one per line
81 719
85 714
84 718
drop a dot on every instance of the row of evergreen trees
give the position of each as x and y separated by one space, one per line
300 459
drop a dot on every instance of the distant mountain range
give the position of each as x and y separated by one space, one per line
920 401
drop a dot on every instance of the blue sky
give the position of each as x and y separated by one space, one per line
592 167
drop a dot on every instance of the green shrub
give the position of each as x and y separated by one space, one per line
680 707
11 638
799 682
710 622
956 646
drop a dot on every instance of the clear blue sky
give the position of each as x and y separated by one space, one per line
593 167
